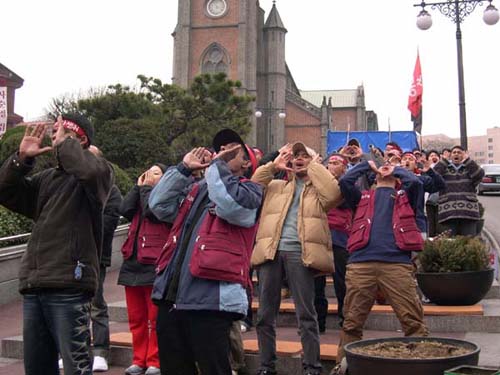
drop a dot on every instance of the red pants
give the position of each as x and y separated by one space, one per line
142 322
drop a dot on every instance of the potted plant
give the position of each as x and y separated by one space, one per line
455 271
409 355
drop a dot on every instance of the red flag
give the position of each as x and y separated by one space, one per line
415 97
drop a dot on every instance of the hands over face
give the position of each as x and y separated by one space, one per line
195 159
31 144
284 157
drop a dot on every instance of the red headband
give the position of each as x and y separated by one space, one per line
339 158
70 125
410 154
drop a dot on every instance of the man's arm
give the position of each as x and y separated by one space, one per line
351 193
326 185
475 172
265 174
432 181
167 195
236 201
409 183
18 192
94 172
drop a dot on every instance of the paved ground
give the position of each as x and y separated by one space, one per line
11 325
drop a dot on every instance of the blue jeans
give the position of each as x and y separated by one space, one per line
56 323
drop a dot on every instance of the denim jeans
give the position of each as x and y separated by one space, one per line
56 323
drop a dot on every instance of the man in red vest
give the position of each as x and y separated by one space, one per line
384 233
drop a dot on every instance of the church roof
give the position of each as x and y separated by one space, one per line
10 75
340 98
274 19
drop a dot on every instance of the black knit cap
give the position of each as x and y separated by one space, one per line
82 122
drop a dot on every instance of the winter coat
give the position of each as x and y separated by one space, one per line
320 194
66 204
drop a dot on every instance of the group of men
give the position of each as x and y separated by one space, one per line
360 216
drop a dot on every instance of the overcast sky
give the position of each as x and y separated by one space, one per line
63 47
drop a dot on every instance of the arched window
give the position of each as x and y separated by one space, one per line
215 60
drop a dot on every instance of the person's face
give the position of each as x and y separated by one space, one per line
433 157
300 162
418 156
156 174
240 163
408 163
457 156
445 155
336 167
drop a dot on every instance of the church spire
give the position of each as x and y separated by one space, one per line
274 20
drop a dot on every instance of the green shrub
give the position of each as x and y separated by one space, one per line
454 255
122 180
12 224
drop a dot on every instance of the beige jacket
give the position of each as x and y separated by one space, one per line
320 194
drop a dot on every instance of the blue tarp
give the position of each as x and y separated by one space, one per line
407 140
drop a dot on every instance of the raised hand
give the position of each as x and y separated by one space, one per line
31 144
193 160
282 160
228 154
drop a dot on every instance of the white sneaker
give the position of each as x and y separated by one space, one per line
243 328
61 367
100 364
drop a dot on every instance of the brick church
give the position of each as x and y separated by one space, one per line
236 37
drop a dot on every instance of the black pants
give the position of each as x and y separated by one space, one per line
461 227
189 338
340 256
100 319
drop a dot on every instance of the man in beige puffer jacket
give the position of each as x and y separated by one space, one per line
293 238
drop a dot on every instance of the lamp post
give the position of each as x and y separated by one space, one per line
269 139
457 10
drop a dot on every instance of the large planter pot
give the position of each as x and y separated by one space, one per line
360 364
455 288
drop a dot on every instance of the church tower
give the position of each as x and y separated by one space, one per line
217 36
271 82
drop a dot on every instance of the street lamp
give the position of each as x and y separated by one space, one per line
281 112
457 10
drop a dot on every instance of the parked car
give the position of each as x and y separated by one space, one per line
491 179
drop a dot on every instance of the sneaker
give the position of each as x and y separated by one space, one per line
153 370
100 364
245 327
135 370
340 368
61 366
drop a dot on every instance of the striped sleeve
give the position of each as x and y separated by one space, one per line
237 201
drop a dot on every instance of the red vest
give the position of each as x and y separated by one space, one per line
340 219
221 251
406 233
151 237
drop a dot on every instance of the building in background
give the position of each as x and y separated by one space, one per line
12 81
484 149
235 37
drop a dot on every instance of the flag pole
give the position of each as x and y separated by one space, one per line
389 124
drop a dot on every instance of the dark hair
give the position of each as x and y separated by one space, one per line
433 151
445 149
457 146
162 166
82 122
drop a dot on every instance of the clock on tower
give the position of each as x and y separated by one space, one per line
216 8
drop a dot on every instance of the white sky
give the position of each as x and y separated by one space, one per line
62 47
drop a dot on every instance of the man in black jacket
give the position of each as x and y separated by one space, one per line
99 313
60 269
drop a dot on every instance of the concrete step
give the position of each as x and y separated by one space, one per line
484 317
493 293
288 347
288 352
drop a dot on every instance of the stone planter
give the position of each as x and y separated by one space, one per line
455 288
361 364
